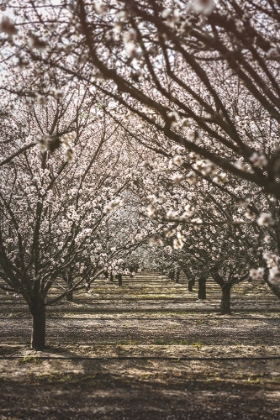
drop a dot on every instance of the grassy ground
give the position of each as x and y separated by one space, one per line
147 350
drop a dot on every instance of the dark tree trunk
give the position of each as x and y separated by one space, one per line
68 280
38 311
225 302
177 277
69 296
190 285
201 288
111 276
120 279
171 274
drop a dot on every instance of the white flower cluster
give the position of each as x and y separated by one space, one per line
220 178
56 93
178 160
155 241
271 259
170 233
151 210
177 178
265 219
240 164
191 178
178 242
171 16
272 263
112 205
257 274
258 160
274 276
267 239
207 168
130 39
203 7
168 249
67 143
100 8
272 53
129 36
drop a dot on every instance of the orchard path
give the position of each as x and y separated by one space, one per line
148 350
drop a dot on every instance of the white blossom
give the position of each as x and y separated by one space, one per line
191 178
272 53
274 275
258 159
177 244
155 241
265 219
100 8
177 178
165 13
151 209
267 239
170 233
178 160
204 7
257 274
271 259
189 211
130 35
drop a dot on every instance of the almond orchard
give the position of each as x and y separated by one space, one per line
138 138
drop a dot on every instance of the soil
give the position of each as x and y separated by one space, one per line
147 350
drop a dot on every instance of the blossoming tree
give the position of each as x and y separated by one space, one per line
54 207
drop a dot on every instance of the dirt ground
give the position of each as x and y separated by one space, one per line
148 350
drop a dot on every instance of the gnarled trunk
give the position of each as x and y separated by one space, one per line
38 311
225 302
201 288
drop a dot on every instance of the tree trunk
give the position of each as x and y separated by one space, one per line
111 276
190 285
225 302
177 277
38 311
120 279
68 280
69 296
201 288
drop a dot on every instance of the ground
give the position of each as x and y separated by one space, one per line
147 350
